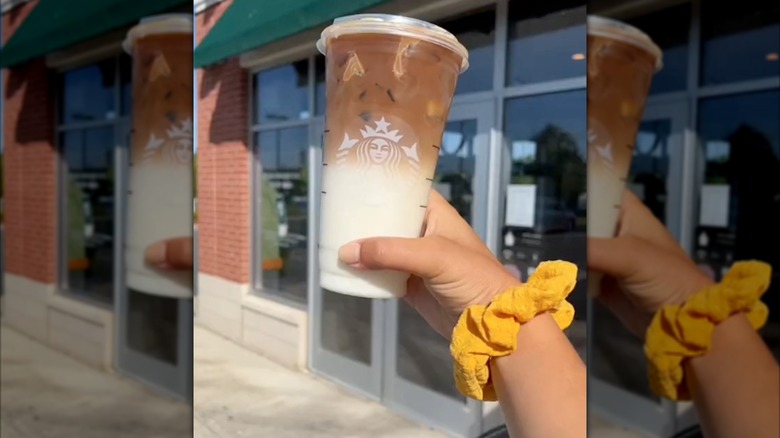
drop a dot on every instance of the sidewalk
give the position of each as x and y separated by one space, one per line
46 394
241 394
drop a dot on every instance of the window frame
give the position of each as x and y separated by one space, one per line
120 120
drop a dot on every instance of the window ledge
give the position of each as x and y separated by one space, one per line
286 312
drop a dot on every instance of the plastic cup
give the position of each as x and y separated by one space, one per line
621 63
390 83
160 174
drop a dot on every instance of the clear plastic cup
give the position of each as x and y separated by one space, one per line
160 174
390 83
621 63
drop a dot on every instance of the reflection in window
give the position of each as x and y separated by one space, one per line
284 186
89 179
88 94
455 169
669 28
477 32
544 216
650 165
547 41
346 326
153 324
423 355
740 44
739 202
126 84
282 93
319 85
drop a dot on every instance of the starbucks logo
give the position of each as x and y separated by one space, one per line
175 147
379 148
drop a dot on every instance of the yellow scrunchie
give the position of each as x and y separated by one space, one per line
484 332
679 332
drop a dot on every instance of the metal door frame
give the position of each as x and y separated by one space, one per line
172 380
412 400
613 403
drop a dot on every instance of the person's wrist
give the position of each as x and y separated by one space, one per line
498 288
696 284
485 297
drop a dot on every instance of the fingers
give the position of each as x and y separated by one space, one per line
621 306
422 301
637 220
421 257
173 254
442 219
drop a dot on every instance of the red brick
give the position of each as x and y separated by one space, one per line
224 158
30 167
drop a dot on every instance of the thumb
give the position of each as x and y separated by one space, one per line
423 257
619 257
175 254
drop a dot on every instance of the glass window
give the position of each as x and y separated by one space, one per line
476 31
153 325
319 85
126 84
547 41
544 215
457 161
424 355
650 165
669 28
89 184
346 326
739 207
284 189
282 93
739 44
88 93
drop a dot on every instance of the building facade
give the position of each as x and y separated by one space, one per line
512 163
67 121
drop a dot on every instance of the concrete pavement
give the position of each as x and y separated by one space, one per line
241 394
46 394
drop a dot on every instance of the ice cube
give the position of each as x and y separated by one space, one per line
353 68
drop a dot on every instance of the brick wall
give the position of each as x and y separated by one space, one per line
224 158
30 159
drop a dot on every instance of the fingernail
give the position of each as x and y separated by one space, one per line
155 253
350 253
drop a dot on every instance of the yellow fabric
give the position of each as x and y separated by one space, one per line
679 332
484 332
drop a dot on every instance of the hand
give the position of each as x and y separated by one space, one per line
646 269
451 268
171 255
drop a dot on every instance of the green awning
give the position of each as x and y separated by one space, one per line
249 24
56 24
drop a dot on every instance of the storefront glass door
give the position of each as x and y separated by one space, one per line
154 333
418 369
384 349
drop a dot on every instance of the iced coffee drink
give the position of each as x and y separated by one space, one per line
621 64
390 83
160 174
